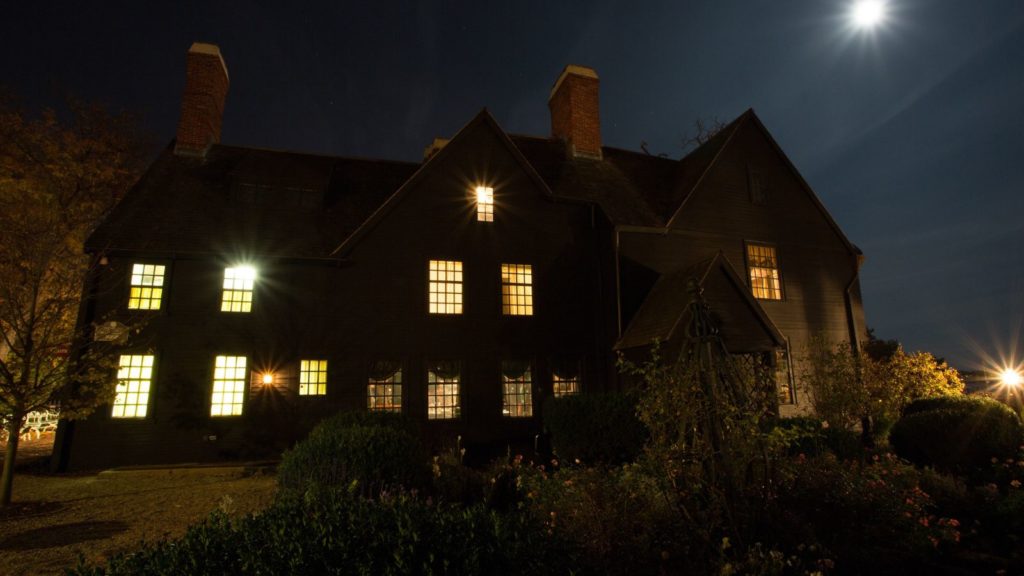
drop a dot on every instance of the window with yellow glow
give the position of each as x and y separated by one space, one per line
445 291
238 287
484 204
146 287
443 391
517 289
564 385
229 373
764 272
312 377
134 376
384 391
516 390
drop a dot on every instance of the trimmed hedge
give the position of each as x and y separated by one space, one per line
370 453
595 428
341 534
957 434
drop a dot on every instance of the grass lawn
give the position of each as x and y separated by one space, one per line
57 518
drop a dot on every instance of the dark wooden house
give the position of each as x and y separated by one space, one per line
278 287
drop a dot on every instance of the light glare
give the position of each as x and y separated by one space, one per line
868 13
268 378
1010 377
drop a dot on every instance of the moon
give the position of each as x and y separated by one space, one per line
867 14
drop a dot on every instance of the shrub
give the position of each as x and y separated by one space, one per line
960 435
595 428
371 453
338 534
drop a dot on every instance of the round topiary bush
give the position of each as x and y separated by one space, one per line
595 428
367 453
957 434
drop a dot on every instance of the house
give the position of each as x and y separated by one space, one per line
278 287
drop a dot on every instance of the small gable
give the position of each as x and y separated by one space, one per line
744 326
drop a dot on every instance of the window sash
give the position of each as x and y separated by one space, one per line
146 286
134 379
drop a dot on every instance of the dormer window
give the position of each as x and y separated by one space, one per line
238 287
484 204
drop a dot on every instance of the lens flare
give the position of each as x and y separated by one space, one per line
867 13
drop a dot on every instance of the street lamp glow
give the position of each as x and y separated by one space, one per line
1010 377
868 13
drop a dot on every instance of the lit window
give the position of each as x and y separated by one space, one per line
238 285
516 389
443 391
445 287
147 287
764 272
228 386
134 375
517 289
384 391
312 377
564 385
484 204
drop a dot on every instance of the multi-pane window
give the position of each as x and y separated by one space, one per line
517 289
443 391
764 272
238 287
484 204
147 287
516 389
564 385
134 376
384 391
312 377
229 374
445 287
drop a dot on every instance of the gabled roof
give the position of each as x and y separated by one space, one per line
267 202
703 159
277 203
743 324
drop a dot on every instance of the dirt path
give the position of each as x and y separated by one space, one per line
57 518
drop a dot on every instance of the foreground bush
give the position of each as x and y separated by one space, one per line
957 434
372 452
342 534
595 428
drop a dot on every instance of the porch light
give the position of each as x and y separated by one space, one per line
267 378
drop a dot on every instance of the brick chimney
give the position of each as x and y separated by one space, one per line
202 103
575 114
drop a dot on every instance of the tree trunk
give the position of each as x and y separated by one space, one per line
13 437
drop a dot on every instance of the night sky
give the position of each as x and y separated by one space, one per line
912 134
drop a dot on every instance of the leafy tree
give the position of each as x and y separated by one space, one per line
58 178
873 385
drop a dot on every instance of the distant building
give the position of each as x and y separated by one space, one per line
278 287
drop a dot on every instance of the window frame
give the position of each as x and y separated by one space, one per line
389 401
245 380
485 208
780 288
527 396
457 406
510 296
148 392
225 290
323 369
436 288
132 286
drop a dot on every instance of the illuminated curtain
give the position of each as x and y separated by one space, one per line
513 370
446 370
383 370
